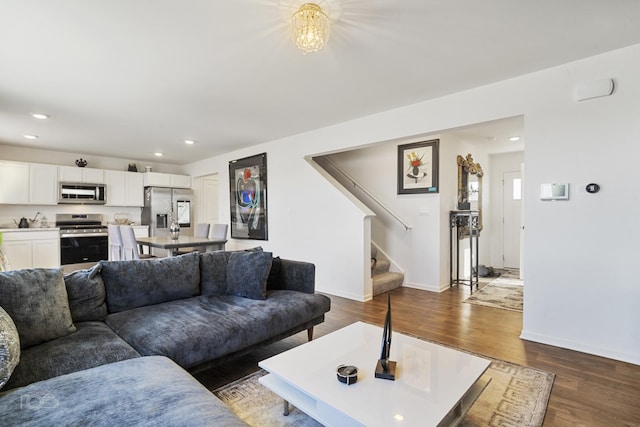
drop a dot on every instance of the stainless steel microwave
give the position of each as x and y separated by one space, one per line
82 193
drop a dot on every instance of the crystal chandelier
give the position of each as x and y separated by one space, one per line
310 28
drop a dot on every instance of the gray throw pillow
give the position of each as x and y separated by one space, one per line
86 295
9 347
213 272
138 283
36 299
247 274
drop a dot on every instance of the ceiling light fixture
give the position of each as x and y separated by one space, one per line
39 116
31 136
514 138
189 141
158 154
310 28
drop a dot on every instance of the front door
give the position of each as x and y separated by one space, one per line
511 218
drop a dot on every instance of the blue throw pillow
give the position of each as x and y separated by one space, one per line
247 274
36 299
213 272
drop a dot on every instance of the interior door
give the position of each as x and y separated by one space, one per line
511 218
209 200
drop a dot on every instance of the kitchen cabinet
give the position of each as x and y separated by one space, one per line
76 174
28 183
14 183
124 188
39 248
157 179
43 184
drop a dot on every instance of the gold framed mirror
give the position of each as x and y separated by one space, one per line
470 186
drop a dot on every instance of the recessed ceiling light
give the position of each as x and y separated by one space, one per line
39 116
158 154
31 136
189 141
514 138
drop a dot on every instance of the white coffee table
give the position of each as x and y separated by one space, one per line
434 385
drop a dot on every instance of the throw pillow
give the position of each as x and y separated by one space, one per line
86 295
138 283
36 299
247 274
213 272
274 282
9 347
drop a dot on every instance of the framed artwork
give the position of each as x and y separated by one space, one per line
248 197
418 167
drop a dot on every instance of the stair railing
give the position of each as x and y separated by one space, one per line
395 216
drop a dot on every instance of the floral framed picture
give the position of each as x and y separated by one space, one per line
248 197
418 167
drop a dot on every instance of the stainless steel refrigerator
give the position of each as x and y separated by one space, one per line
159 204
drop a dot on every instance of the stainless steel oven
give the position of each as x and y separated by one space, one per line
83 238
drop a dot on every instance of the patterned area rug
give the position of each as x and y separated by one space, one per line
516 396
504 293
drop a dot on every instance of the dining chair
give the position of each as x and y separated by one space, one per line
201 230
115 242
219 231
130 246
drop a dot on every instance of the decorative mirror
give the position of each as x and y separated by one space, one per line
470 186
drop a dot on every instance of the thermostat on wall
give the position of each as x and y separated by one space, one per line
554 191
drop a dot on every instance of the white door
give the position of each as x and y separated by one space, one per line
511 218
209 199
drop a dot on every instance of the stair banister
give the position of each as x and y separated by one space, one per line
368 193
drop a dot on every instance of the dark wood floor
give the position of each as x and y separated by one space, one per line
588 390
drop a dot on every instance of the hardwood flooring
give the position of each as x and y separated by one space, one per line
588 390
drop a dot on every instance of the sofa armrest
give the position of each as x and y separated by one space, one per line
298 276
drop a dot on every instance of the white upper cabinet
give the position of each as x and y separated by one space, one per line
28 183
156 179
76 174
43 184
14 183
124 188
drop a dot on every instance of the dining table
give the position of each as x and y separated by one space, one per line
174 245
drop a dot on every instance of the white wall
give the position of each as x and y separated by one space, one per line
577 253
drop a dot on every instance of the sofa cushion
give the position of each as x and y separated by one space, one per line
247 274
201 329
85 289
9 347
213 272
147 391
137 283
36 299
93 344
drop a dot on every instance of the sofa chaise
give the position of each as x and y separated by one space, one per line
113 344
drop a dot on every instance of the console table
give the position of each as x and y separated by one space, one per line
465 224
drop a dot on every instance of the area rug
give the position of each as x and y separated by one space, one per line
516 396
504 293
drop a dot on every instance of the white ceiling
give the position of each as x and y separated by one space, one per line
126 78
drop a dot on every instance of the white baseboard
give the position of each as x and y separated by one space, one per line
424 287
581 347
347 295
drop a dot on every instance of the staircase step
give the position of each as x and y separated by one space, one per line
382 266
385 282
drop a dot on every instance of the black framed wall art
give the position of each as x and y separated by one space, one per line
248 197
418 167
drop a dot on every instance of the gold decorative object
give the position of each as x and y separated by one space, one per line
310 28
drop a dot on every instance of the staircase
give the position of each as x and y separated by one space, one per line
383 279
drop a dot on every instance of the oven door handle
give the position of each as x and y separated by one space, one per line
62 236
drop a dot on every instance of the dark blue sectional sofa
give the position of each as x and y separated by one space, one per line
112 345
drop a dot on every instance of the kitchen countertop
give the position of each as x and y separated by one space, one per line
7 230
